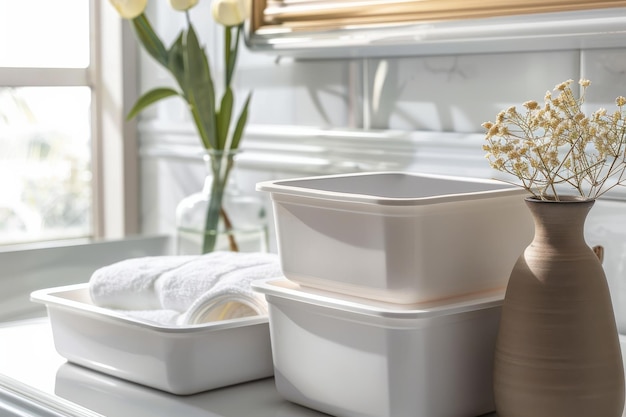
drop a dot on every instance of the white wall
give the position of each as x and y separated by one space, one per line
325 116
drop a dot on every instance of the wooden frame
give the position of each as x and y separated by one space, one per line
357 28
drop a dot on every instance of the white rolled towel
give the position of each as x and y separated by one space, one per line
232 296
187 289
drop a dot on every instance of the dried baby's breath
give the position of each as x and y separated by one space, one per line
557 146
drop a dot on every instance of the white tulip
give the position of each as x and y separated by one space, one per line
182 5
129 9
230 12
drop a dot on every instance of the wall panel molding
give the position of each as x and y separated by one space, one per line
303 151
314 151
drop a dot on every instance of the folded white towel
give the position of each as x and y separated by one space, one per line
130 284
179 288
185 289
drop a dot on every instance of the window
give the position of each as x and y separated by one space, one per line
45 122
53 162
45 163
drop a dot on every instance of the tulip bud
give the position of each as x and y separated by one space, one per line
129 9
230 12
182 5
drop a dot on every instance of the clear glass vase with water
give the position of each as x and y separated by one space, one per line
222 216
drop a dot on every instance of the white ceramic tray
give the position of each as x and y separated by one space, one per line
178 359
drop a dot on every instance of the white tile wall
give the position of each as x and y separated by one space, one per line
459 93
606 68
294 92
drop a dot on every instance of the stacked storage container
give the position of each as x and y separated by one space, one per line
392 291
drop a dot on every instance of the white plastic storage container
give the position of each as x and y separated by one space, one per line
399 237
177 359
350 359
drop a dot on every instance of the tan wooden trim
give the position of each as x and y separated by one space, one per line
310 15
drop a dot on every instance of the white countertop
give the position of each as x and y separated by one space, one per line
35 379
30 367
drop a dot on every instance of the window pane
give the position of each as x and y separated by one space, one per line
44 33
45 163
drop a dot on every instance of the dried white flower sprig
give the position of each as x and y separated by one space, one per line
557 146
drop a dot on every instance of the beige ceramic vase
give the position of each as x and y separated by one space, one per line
557 351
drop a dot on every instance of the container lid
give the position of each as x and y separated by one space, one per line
391 188
283 288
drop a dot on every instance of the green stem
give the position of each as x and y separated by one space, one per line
221 165
234 54
232 242
227 56
212 217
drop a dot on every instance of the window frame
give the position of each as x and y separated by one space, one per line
115 140
114 164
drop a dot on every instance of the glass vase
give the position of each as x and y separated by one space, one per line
222 216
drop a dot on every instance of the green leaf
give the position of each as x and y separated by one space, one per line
149 98
199 89
241 124
231 57
223 118
150 41
176 64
